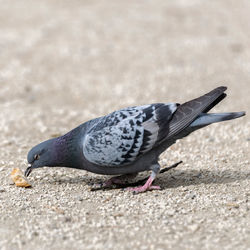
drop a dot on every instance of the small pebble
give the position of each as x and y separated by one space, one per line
232 205
193 228
191 196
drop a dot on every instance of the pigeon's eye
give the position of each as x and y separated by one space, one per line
36 157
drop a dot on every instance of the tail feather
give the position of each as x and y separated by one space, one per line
206 119
189 111
219 99
193 115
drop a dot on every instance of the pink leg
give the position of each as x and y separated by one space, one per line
148 185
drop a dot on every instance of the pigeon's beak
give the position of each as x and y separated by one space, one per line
28 170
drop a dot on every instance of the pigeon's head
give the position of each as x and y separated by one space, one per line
39 156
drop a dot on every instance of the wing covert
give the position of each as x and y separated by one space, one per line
122 136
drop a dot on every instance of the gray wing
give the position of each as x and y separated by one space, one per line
122 136
189 111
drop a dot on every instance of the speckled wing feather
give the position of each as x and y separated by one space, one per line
122 136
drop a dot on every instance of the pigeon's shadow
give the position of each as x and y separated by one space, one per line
179 177
172 179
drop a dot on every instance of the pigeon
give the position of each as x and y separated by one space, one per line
130 140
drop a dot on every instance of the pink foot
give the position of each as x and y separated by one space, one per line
146 187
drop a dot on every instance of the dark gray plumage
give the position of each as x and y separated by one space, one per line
129 140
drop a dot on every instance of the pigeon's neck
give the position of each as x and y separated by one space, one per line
67 149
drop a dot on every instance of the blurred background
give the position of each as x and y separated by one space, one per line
101 55
65 62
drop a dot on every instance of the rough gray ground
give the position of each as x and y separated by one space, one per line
64 62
